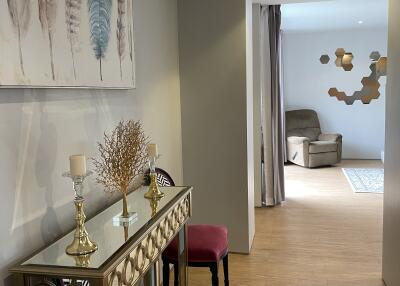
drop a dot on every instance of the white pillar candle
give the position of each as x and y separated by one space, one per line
152 151
77 165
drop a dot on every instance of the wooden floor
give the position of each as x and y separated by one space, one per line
323 235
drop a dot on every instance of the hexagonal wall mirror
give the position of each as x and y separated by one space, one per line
347 59
324 59
370 84
375 55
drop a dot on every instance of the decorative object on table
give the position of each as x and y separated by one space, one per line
371 85
82 260
154 205
365 180
163 179
123 157
126 232
154 190
43 48
127 261
81 244
306 145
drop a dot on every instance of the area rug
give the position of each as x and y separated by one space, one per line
365 180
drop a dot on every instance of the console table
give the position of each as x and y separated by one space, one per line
126 254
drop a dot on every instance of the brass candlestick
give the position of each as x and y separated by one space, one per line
81 244
153 192
82 260
154 205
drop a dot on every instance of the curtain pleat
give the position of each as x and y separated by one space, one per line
272 108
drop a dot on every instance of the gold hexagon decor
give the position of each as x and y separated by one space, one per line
371 85
339 56
324 59
347 59
340 52
375 55
381 67
348 67
344 59
338 62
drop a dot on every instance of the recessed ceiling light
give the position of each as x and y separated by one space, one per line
360 22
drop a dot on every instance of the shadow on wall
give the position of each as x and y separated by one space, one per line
37 206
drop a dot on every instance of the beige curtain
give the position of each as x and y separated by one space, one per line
272 108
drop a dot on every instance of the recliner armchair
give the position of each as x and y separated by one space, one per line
306 145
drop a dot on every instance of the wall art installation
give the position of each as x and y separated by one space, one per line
70 43
370 84
344 59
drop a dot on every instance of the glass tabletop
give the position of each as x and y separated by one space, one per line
109 237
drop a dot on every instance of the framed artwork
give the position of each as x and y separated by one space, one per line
68 43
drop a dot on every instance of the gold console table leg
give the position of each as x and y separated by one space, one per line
183 256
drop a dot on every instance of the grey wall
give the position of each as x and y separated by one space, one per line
212 42
391 216
41 128
307 81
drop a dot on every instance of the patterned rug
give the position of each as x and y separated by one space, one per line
365 180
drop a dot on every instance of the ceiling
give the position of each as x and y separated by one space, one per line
334 15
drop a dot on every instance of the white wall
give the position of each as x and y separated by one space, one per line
307 81
212 45
391 213
40 128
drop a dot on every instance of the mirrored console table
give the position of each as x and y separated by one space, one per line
125 255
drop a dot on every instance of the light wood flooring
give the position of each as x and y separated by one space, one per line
324 235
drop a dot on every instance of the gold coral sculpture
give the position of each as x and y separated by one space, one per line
123 157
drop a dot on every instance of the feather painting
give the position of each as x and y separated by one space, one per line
67 44
121 32
73 22
130 28
20 14
47 17
100 26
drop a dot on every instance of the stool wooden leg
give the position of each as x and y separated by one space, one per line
226 270
165 273
214 273
176 274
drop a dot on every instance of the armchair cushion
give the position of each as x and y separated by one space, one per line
298 140
330 137
323 147
303 123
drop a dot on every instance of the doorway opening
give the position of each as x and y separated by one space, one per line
334 81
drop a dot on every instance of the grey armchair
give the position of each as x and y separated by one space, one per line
306 145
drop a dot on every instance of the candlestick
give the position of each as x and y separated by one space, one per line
152 151
154 191
81 244
77 164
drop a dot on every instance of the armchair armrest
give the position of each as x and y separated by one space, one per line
298 140
330 137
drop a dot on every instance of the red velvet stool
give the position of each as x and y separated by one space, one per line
207 246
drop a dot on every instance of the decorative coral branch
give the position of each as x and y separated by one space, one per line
123 156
